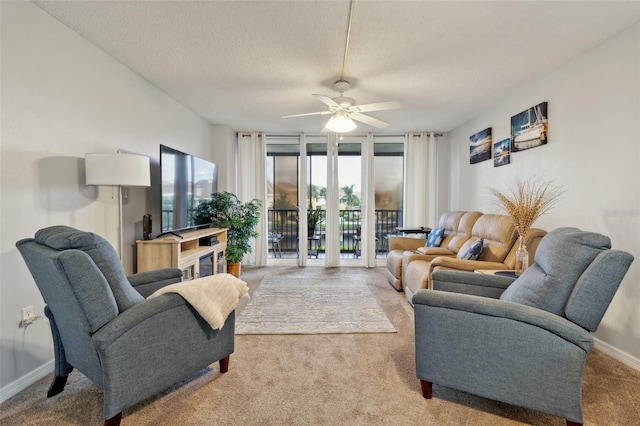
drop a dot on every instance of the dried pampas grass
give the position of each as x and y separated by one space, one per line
526 201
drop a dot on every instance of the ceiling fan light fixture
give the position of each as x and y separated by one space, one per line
340 123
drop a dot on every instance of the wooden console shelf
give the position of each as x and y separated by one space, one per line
185 253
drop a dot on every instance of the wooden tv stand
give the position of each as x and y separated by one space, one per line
171 251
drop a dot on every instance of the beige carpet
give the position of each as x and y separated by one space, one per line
324 379
309 303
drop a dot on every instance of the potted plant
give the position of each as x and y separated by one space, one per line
314 216
225 210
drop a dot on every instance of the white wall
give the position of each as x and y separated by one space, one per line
593 152
62 98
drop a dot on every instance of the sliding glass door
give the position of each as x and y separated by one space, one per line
365 181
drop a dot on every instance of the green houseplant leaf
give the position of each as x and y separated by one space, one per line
225 210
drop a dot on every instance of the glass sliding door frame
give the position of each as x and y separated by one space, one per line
373 212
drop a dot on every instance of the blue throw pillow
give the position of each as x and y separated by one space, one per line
473 252
435 237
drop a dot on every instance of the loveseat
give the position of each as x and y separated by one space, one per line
500 242
457 227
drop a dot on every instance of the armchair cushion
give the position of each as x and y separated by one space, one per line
435 237
473 252
562 257
90 288
65 237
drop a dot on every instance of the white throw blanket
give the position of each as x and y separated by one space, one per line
214 297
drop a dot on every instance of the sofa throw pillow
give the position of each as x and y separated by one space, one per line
473 252
435 237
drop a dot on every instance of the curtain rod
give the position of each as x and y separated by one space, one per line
297 135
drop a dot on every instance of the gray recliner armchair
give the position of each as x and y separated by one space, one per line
525 345
102 324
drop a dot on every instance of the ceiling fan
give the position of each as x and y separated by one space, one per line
344 109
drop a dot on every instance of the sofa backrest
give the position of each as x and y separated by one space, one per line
575 274
462 232
498 234
449 221
101 252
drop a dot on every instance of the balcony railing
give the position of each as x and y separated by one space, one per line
284 222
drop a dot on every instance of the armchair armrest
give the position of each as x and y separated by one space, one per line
161 334
136 316
470 283
465 265
435 251
410 256
148 282
523 317
405 243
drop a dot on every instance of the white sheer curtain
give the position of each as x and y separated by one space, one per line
302 203
252 158
332 253
420 186
368 208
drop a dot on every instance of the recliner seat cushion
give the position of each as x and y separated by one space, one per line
103 255
562 257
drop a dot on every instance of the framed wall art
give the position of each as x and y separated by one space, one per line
529 128
501 153
480 146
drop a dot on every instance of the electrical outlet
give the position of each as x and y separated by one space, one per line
27 314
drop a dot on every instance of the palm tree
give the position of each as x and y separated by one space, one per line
349 198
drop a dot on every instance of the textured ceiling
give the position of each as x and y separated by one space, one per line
246 63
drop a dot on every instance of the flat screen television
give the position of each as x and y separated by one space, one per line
186 179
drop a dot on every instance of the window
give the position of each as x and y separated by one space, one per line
283 180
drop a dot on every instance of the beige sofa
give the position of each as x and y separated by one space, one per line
498 252
402 250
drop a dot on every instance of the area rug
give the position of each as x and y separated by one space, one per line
297 305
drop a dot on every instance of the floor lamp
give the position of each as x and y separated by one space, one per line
121 170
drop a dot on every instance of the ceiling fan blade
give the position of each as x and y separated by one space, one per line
327 100
309 113
378 106
374 122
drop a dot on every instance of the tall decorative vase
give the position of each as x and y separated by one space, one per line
522 257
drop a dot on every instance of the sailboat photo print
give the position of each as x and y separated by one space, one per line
480 146
529 128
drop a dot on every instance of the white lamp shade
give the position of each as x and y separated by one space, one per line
340 123
117 170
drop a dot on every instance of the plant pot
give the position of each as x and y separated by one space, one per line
234 269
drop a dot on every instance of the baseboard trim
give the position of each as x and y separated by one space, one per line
25 381
616 353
